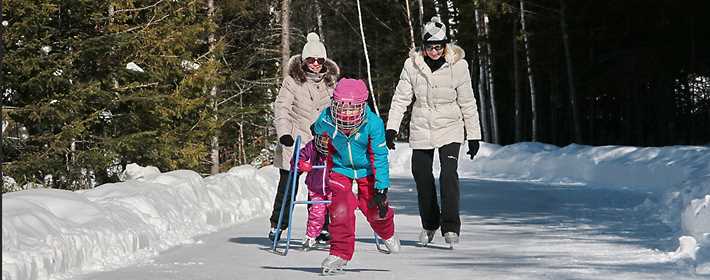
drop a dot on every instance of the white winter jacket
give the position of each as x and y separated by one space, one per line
298 104
444 106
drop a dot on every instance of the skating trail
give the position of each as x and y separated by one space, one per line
510 231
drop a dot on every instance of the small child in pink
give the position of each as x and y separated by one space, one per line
314 153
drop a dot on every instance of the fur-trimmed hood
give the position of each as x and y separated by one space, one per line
295 70
453 55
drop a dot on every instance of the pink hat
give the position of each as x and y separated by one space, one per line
351 90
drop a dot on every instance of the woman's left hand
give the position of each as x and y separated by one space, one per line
472 148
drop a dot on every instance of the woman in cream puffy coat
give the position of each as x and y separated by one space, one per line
303 95
444 114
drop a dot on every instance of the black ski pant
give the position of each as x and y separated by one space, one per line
283 183
274 219
433 217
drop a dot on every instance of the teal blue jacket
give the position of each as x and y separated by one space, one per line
361 154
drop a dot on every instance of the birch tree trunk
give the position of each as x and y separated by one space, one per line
421 19
319 18
285 34
367 58
242 153
531 80
409 21
490 82
516 86
481 77
453 23
2 78
570 76
214 145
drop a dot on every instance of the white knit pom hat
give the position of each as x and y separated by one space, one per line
313 48
435 32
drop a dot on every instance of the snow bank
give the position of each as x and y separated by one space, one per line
47 232
678 177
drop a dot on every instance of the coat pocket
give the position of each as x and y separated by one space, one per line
447 115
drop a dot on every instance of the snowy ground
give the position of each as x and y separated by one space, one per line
511 231
577 212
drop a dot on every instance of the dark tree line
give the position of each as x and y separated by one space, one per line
75 107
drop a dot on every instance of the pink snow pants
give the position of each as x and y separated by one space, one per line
316 214
342 213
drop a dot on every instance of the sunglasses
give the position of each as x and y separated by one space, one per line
434 47
312 60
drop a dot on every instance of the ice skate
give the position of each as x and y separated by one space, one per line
451 238
323 237
426 236
272 234
332 265
392 244
308 243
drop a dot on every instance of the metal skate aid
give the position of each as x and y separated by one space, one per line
291 188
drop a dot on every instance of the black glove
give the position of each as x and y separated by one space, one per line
286 140
389 135
472 148
379 200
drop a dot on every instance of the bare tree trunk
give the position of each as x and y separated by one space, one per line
570 77
421 19
437 9
409 21
453 23
491 83
2 57
214 145
531 81
242 153
319 17
367 58
285 34
481 77
516 86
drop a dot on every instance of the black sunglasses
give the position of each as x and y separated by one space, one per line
434 47
311 60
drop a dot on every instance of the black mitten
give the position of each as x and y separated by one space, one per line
286 140
472 148
389 135
380 200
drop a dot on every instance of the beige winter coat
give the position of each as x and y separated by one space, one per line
298 104
444 109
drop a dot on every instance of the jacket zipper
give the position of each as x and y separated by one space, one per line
350 152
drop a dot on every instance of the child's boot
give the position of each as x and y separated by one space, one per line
392 244
324 236
309 243
332 265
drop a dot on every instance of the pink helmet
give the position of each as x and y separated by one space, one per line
349 101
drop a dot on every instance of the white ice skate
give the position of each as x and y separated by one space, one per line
451 238
426 236
309 243
332 265
392 244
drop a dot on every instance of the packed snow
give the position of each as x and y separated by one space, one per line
53 233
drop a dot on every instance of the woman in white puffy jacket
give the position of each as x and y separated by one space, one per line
444 114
